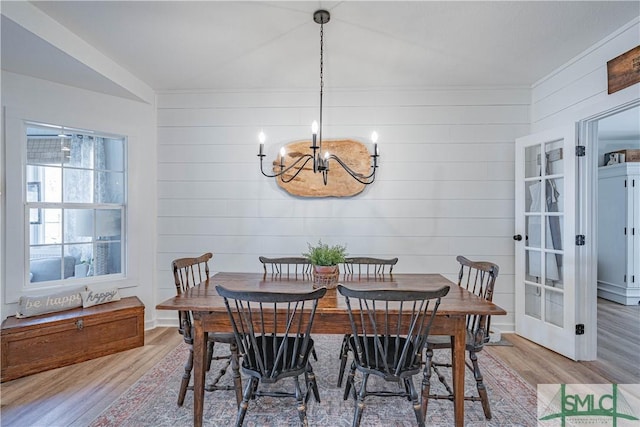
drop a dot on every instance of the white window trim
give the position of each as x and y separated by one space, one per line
16 246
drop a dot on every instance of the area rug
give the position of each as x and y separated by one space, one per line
151 401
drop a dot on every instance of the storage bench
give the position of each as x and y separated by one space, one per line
39 343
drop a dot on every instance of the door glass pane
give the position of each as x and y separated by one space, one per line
553 308
532 270
533 231
554 232
532 161
554 270
532 301
533 196
554 154
554 193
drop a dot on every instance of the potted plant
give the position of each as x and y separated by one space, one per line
325 260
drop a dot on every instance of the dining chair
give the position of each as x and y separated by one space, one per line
188 272
358 268
479 278
296 268
389 333
368 267
273 332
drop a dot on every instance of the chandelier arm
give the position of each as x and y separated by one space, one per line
281 174
362 179
277 174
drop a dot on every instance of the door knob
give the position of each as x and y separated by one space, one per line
517 237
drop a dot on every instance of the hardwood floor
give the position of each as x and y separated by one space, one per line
618 353
75 395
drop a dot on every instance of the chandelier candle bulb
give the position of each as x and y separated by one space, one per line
314 133
261 138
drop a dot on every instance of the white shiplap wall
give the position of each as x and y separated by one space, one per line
445 184
579 89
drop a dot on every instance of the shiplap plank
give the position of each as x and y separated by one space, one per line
389 134
366 115
450 96
574 94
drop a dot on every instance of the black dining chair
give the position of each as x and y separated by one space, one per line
480 278
368 267
188 272
273 332
389 333
356 268
294 268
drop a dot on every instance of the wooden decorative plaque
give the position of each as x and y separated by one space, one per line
339 183
624 70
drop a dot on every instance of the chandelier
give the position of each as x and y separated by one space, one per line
321 159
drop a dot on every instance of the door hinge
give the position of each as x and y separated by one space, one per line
580 240
580 150
580 329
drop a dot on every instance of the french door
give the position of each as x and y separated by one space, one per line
545 239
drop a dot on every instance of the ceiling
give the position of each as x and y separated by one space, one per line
237 45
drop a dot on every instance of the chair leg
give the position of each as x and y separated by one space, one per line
210 345
235 372
413 396
426 382
186 377
482 390
312 385
357 416
350 382
344 351
248 391
302 407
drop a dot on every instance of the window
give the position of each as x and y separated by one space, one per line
74 203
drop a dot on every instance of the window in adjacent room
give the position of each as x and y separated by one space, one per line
74 203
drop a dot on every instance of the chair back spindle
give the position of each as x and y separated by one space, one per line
368 267
273 330
478 277
390 328
290 268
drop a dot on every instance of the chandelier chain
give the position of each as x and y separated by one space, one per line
321 55
321 83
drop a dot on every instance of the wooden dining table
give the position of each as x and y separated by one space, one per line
210 315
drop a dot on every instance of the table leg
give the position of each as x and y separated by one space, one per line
199 364
457 362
